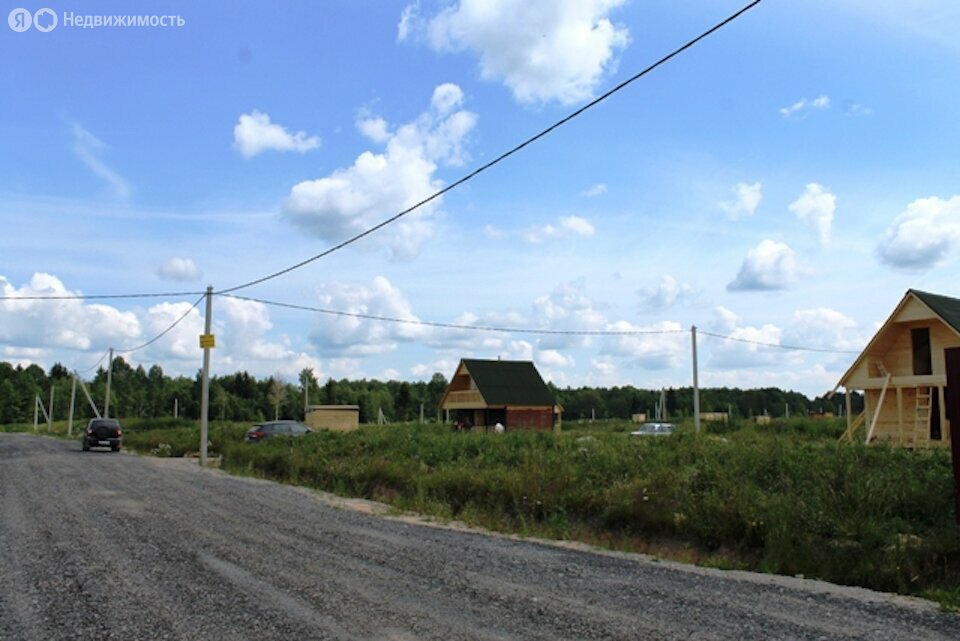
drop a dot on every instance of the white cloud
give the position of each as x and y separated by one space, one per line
825 328
375 128
254 134
425 371
768 266
665 295
816 208
745 202
88 149
802 108
743 346
378 185
568 308
542 51
566 226
923 235
357 337
553 358
180 343
664 345
596 189
72 323
604 371
179 269
857 109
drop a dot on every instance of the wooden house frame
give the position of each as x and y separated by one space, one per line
902 374
483 393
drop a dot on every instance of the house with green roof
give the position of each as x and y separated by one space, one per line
483 393
902 374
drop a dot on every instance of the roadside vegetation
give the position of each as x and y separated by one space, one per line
784 498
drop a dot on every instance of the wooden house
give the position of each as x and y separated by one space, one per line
902 373
483 393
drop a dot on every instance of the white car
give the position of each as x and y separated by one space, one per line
653 429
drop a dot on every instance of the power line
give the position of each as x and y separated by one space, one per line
502 156
459 326
527 330
164 332
95 365
101 296
795 348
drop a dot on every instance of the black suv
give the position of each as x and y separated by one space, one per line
102 432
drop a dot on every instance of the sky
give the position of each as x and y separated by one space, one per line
780 184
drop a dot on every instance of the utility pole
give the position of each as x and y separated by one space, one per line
306 397
696 382
206 342
73 399
106 403
50 415
36 412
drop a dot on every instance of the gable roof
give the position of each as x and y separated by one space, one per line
945 308
509 382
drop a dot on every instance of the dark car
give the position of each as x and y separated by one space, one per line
102 432
276 428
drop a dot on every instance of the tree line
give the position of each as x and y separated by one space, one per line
150 393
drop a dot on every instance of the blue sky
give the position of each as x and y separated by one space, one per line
783 182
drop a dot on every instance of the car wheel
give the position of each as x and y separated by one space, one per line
115 448
86 448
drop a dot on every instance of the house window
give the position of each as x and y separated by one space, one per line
922 363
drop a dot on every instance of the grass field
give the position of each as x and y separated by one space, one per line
785 498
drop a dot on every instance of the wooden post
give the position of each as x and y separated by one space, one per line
952 357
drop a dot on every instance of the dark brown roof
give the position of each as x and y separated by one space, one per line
509 382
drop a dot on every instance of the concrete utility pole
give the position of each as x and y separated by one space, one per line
83 387
306 398
696 382
36 412
106 403
73 399
206 342
50 415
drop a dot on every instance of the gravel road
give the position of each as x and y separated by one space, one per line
114 546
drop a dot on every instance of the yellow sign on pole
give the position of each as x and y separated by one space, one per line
207 341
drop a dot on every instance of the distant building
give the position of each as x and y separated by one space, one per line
483 393
714 417
902 373
342 418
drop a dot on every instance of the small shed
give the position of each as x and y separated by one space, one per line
902 373
342 418
483 393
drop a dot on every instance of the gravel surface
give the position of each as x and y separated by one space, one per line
100 545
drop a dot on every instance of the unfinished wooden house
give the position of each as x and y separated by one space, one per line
483 393
902 373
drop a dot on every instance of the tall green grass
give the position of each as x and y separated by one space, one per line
785 498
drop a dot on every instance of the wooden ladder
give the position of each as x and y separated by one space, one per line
921 428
